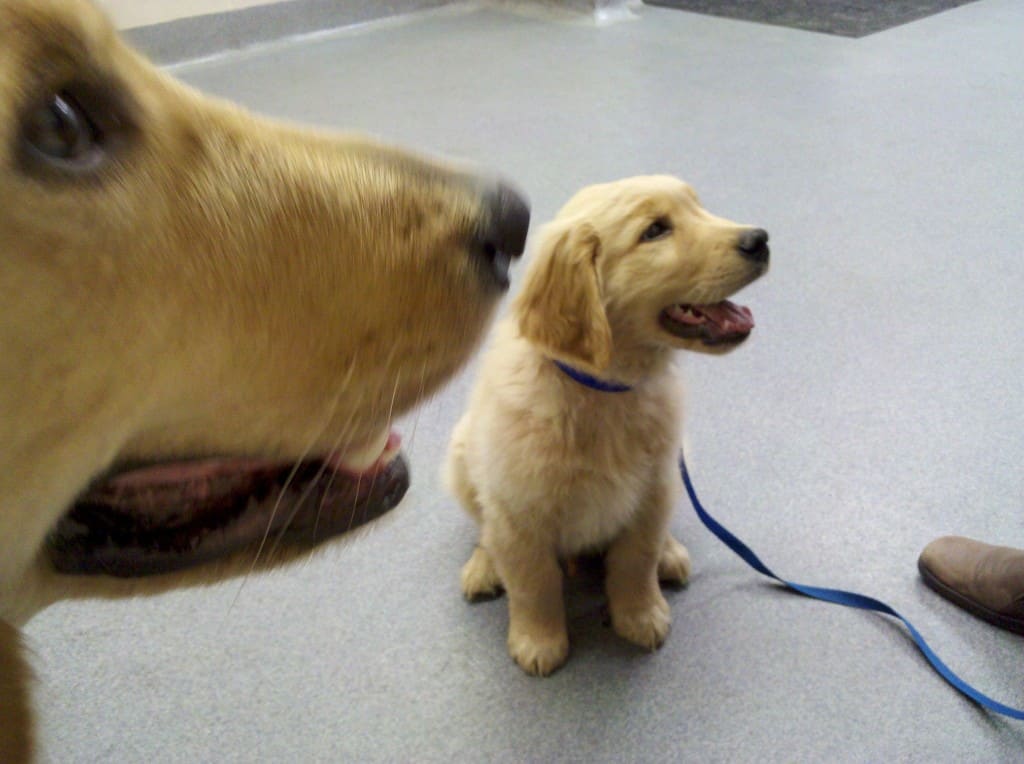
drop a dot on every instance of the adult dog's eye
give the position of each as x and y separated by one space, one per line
656 230
61 133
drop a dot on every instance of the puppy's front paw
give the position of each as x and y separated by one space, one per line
538 656
479 578
674 564
644 626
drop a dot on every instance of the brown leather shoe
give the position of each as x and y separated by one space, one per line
985 580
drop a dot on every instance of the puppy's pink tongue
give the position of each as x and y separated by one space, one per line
728 317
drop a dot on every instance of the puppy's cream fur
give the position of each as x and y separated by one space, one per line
550 468
216 284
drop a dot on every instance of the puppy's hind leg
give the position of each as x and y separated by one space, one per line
674 564
480 579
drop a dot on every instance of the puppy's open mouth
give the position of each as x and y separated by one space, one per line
147 518
720 323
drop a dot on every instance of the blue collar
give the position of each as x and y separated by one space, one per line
592 382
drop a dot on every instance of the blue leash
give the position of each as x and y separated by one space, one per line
839 597
835 596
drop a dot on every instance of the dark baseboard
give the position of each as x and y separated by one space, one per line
847 18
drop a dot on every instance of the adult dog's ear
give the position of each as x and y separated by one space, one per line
559 308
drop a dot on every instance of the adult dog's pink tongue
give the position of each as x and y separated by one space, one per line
728 317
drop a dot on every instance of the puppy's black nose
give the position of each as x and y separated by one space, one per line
753 245
502 235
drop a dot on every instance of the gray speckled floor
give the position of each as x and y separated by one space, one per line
877 406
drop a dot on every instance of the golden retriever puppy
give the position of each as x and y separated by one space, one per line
570 441
209 322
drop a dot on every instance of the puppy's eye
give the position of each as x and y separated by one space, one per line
61 132
656 230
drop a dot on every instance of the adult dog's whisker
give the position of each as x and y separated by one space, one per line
419 409
342 434
307 491
321 470
284 487
373 483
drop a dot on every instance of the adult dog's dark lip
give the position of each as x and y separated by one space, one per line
720 323
130 527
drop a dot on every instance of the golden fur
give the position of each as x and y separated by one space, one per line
218 284
550 468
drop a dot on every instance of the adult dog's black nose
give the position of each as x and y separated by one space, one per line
753 245
502 236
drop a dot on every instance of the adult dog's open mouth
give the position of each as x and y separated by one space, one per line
146 518
720 323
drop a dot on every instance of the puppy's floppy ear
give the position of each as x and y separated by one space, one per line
559 308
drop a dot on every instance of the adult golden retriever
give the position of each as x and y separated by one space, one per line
551 467
208 322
